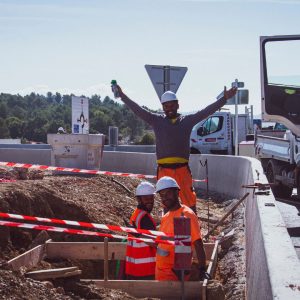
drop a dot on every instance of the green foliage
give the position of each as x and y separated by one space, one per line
148 139
15 126
33 116
4 132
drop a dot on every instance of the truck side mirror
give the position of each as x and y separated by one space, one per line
200 131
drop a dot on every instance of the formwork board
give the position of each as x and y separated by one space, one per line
28 259
152 288
95 250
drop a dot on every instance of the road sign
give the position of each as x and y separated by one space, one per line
80 115
242 97
183 253
165 78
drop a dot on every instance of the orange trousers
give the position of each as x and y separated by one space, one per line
183 176
167 275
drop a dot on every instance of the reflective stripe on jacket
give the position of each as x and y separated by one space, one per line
140 258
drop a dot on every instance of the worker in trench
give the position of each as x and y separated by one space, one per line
172 132
168 190
140 257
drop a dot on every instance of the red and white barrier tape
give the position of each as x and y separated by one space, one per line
7 180
83 232
82 171
85 224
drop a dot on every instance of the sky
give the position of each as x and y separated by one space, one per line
79 46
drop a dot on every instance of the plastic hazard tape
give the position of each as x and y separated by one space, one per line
85 224
81 232
82 171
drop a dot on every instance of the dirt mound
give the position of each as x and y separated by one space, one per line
100 199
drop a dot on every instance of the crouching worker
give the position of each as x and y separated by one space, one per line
168 190
140 257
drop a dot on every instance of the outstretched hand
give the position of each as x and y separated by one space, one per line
230 93
121 94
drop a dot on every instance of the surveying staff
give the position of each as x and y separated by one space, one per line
140 258
168 190
172 132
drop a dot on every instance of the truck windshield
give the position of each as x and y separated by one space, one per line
282 79
279 126
283 69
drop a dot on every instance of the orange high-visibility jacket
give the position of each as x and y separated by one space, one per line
140 258
167 226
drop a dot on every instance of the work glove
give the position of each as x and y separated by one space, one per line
203 274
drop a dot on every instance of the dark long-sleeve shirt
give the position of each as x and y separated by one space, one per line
173 139
146 222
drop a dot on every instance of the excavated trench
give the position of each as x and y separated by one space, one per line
104 200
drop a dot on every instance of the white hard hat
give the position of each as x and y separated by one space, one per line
166 182
61 129
145 188
168 96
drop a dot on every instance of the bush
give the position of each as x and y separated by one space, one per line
148 139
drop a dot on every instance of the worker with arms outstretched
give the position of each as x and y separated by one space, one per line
172 132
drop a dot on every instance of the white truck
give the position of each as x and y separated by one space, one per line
279 150
215 135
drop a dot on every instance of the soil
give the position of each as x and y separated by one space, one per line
98 199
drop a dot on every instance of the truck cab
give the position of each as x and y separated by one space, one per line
212 135
215 135
278 147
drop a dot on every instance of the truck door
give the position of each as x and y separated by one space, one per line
280 80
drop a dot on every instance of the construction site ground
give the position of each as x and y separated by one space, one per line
104 200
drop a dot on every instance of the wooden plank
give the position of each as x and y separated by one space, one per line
28 259
231 210
105 258
209 248
82 250
152 288
54 273
95 250
211 268
210 219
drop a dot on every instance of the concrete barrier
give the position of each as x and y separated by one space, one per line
131 148
272 265
26 155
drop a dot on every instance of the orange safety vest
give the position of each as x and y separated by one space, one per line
140 258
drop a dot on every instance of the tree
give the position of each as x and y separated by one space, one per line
3 110
148 139
32 116
15 126
58 97
4 132
100 122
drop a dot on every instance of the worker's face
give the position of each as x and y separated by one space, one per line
169 198
170 109
147 202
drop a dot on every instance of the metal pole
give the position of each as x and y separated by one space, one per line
167 78
236 121
182 284
251 124
207 197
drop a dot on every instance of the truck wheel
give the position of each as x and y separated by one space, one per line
195 151
279 190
